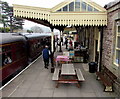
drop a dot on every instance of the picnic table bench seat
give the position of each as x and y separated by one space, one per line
80 75
56 74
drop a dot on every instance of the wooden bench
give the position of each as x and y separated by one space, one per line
107 78
56 74
80 75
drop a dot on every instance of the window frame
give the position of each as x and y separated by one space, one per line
116 44
70 10
77 5
83 4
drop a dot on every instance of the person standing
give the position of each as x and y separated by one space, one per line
66 42
7 60
70 43
62 41
46 56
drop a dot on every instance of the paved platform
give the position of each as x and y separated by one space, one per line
36 81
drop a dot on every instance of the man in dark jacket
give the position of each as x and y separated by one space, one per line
66 42
45 54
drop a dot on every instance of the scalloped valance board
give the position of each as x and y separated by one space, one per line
67 13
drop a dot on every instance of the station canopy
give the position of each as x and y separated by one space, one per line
67 13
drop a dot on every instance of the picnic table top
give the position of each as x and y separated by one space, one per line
68 69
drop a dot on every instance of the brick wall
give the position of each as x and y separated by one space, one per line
108 41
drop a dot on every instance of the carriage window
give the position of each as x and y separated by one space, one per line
6 58
6 48
39 44
18 54
0 49
0 60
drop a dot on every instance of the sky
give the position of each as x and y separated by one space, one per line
46 4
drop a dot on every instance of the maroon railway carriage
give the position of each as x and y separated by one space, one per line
35 44
17 50
13 54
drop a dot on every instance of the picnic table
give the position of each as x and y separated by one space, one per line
67 74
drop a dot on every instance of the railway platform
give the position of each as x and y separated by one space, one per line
36 81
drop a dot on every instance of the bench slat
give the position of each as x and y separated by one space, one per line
80 75
56 74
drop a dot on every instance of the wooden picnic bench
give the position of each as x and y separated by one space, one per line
107 78
67 74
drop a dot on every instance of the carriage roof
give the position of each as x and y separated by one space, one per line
10 37
35 35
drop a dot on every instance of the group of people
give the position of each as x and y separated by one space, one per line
70 43
60 41
47 53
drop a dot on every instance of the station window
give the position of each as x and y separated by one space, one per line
71 6
59 10
118 29
118 44
89 8
95 10
83 6
77 5
65 8
117 47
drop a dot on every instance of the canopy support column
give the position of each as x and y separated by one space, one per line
101 47
52 51
60 42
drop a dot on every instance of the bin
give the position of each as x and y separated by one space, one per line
92 67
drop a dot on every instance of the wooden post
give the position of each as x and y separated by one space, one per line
60 42
101 48
52 41
52 50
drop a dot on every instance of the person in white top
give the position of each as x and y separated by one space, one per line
7 60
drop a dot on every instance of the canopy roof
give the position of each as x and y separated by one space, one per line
67 13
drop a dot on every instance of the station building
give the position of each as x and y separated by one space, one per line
111 40
97 27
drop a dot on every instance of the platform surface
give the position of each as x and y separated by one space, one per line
37 81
